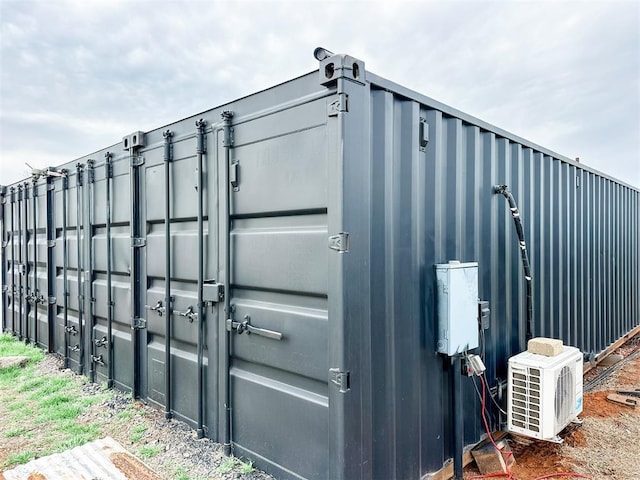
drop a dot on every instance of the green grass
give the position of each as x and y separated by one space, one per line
31 384
137 432
16 432
246 467
42 409
10 346
125 415
20 458
233 463
58 412
149 451
226 466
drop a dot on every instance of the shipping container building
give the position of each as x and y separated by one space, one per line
265 270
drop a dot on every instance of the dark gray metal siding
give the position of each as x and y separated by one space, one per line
310 171
429 207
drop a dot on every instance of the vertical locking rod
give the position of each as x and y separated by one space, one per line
200 150
226 247
65 266
36 290
108 180
168 149
79 220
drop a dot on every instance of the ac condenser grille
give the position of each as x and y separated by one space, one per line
525 400
565 396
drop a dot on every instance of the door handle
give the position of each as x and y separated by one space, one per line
188 313
159 309
245 326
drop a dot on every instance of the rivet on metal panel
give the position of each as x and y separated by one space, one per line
339 242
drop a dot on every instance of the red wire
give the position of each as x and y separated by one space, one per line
508 475
562 474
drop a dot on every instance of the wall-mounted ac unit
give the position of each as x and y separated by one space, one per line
545 393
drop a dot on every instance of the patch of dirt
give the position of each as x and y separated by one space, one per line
132 468
597 405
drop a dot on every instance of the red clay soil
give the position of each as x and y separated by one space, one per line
596 405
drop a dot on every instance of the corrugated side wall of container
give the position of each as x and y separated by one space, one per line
300 308
429 198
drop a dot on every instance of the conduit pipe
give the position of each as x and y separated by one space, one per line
504 191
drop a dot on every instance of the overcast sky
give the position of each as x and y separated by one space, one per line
78 75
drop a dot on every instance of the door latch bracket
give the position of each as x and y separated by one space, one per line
341 379
138 323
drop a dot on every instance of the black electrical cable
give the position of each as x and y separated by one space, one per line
504 191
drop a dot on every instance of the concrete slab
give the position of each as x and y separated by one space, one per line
101 459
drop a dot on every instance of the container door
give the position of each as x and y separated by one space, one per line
278 294
182 368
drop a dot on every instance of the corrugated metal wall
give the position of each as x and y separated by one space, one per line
432 206
319 160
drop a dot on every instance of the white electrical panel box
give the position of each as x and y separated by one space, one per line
457 307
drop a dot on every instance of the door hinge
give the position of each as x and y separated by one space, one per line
340 378
51 243
339 242
138 323
137 161
337 105
52 300
137 242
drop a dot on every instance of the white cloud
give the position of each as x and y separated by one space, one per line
562 74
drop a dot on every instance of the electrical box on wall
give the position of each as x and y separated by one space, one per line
457 307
